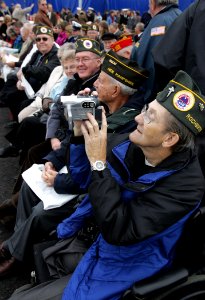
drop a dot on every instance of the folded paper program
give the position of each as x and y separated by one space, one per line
47 194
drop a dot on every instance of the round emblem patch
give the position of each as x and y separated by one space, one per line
94 27
43 29
183 100
87 44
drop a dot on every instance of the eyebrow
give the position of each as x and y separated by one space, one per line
153 111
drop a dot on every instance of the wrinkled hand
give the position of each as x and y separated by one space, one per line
19 74
87 92
19 86
95 138
11 64
49 174
77 128
55 143
46 104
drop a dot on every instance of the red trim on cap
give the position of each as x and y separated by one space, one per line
124 42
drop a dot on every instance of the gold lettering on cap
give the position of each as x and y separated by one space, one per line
194 122
124 79
110 70
112 62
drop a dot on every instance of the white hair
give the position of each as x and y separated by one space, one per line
125 90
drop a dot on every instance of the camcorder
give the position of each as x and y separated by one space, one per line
77 107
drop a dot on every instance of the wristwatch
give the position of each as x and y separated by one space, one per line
98 165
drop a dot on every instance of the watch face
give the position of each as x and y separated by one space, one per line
99 165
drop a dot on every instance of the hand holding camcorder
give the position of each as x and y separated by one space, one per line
77 107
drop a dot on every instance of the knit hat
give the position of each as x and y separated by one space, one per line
183 99
124 70
85 44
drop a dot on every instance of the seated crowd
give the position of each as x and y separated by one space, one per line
120 179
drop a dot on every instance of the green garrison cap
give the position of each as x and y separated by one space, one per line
44 30
85 44
124 70
182 98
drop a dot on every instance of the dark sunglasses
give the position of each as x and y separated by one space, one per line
43 39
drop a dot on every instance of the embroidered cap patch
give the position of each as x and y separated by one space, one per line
183 100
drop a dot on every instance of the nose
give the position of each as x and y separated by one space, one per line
139 119
95 84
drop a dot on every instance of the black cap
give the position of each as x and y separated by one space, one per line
124 70
108 36
183 98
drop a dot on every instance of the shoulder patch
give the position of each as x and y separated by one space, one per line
158 30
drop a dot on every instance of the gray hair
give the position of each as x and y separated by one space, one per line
68 54
186 137
64 48
140 25
166 2
125 90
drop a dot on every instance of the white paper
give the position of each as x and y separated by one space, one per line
10 58
28 88
8 50
5 71
47 194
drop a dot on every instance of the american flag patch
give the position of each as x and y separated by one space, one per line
158 30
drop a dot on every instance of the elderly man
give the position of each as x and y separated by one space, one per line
42 15
87 51
108 39
163 12
141 194
37 72
33 222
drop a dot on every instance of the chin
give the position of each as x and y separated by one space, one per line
82 75
134 136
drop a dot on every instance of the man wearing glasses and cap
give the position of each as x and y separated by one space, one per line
141 194
36 72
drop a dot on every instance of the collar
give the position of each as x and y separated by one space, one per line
168 7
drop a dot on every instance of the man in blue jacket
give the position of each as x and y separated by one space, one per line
33 222
140 193
163 12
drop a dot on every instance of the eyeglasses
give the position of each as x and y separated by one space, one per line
41 39
84 60
145 114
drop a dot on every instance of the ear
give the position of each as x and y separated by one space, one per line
170 140
152 5
99 62
116 91
127 54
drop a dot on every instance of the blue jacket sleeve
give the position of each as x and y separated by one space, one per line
79 166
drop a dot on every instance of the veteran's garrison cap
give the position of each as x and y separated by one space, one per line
182 98
85 44
122 43
43 30
124 70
